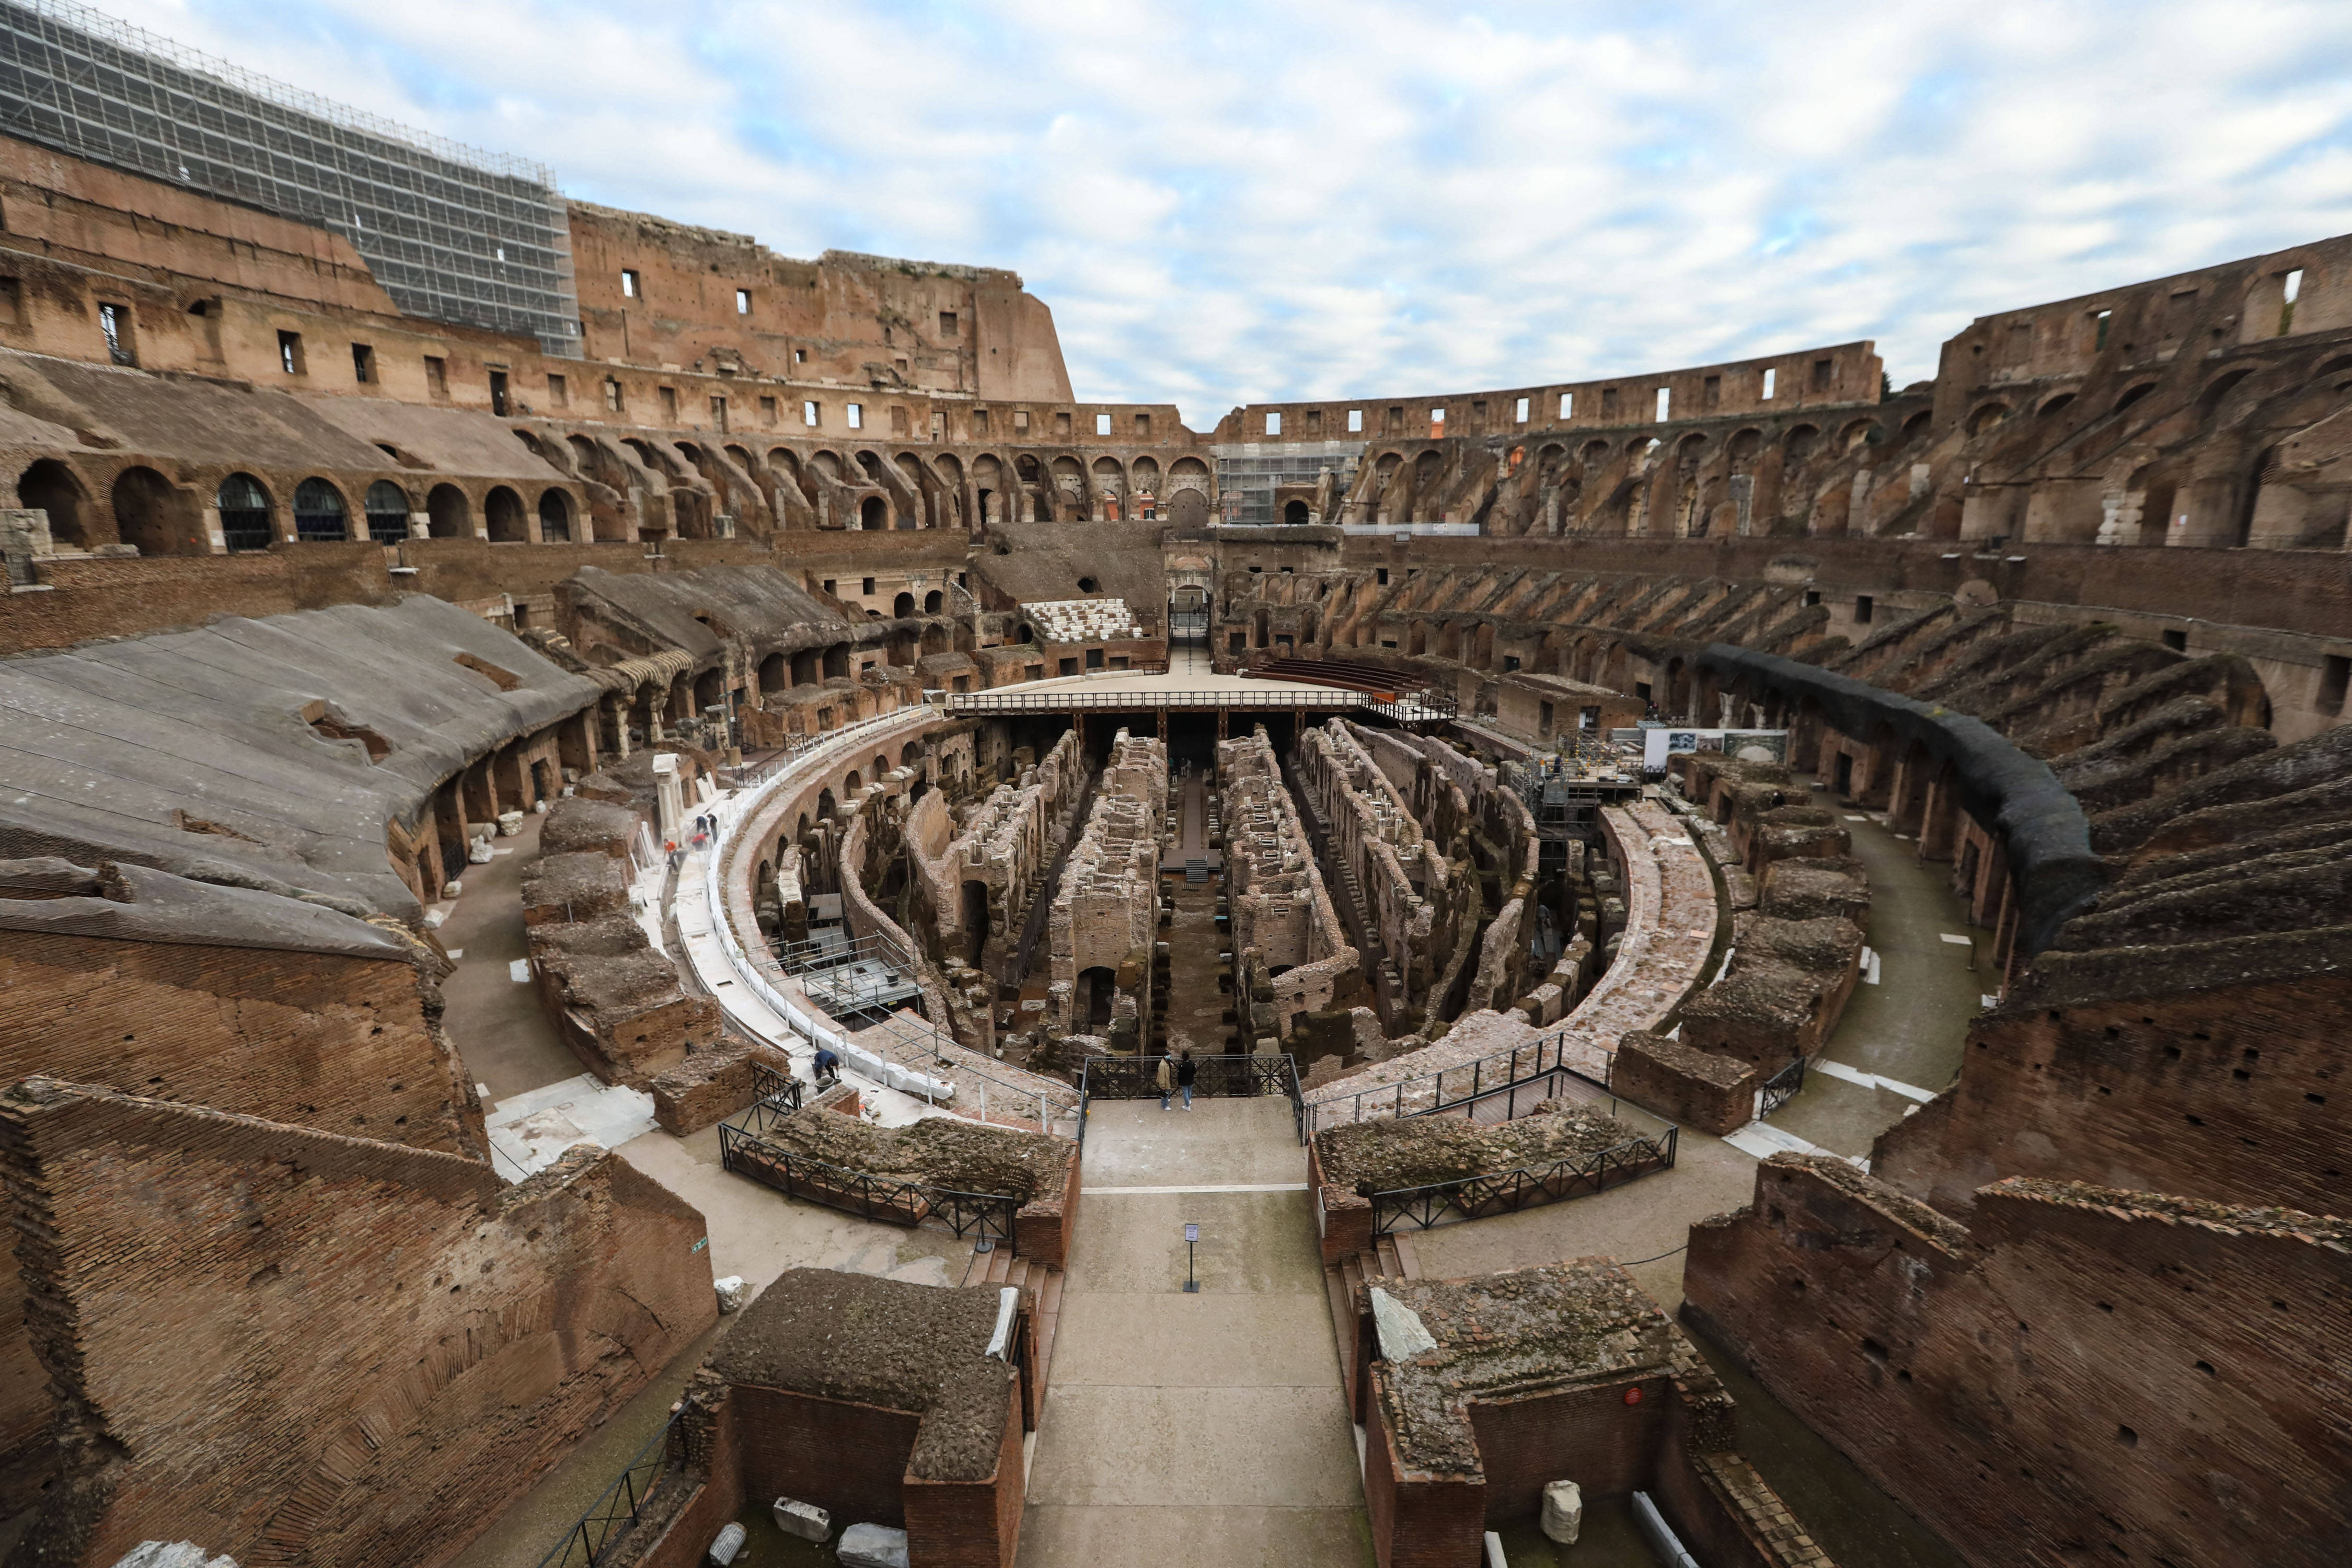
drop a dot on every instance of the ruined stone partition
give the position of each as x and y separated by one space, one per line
287 1344
1106 914
873 1399
2147 1377
1562 1372
1291 954
998 863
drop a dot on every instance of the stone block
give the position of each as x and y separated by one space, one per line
804 1520
1563 1511
871 1546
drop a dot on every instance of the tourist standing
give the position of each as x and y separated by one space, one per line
1185 1069
1167 1083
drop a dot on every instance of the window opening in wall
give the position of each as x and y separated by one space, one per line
436 375
1710 394
718 414
1824 370
1521 416
1020 419
898 422
868 588
632 287
1862 608
1666 401
613 400
318 510
1567 406
800 356
2286 302
1479 412
559 392
2335 676
1436 423
1396 420
1355 421
1143 426
668 404
856 416
1770 377
2177 641
828 585
980 421
768 412
742 301
1813 597
499 392
114 320
12 305
244 512
363 363
1102 423
948 327
1062 425
1274 424
1315 422
2099 322
387 513
1608 403
289 352
1383 576
811 414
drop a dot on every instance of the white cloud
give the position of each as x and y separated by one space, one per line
1223 202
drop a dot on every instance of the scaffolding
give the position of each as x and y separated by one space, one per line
454 235
1249 473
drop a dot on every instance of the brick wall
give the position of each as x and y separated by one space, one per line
2107 1375
1419 1519
1588 1436
1697 1088
971 1524
710 1085
850 1459
2239 1094
128 596
1044 1228
298 1347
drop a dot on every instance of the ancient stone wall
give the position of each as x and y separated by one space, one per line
392 1343
2104 1371
1291 949
1105 913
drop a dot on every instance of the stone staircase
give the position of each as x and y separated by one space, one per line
1391 1258
1041 1297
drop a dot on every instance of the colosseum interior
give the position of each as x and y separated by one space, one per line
1734 966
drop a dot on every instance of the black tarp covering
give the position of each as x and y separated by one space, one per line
2017 796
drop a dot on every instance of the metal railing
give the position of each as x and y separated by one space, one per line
1779 1088
1503 1192
773 1093
617 1506
1536 1062
1218 1076
1074 697
886 1198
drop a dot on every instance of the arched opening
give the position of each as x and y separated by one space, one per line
852 783
1092 1002
2055 404
827 805
1295 513
911 754
709 690
933 602
555 517
244 512
446 514
774 674
51 486
1985 419
836 662
387 513
975 920
2134 395
804 667
904 605
151 514
502 510
318 512
874 513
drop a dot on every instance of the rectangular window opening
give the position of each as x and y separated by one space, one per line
1062 425
614 401
1274 424
718 414
1315 422
1521 416
1355 421
742 301
499 392
1711 391
2177 641
800 356
363 363
1143 426
289 352
559 392
2099 322
856 416
114 320
1862 610
668 404
948 324
1102 423
1665 403
632 287
768 412
436 375
1825 373
2335 677
1770 377
1567 406
812 415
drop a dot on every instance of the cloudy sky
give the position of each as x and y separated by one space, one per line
1227 202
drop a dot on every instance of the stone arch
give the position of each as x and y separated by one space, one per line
934 602
502 510
388 508
244 505
1985 416
2050 405
874 514
775 673
903 605
2132 394
1296 513
448 515
55 489
152 514
320 512
554 516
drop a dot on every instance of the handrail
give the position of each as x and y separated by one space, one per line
1506 1191
595 1527
1524 1067
1221 1074
1285 698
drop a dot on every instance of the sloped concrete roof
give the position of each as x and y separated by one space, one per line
101 745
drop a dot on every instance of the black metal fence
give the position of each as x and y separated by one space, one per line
774 1093
618 1507
1475 1197
744 1150
1218 1076
1536 1062
1779 1088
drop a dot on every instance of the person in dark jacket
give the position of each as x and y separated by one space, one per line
1166 1081
1185 1069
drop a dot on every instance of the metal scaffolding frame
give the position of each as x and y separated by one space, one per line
454 235
1248 473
